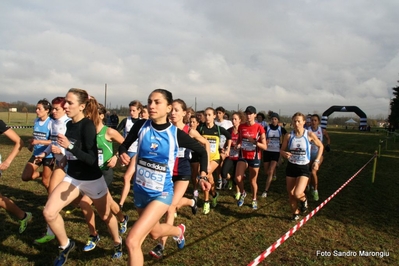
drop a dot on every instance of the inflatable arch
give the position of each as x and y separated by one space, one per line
336 108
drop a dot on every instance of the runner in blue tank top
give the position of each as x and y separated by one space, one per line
181 172
37 144
297 173
158 143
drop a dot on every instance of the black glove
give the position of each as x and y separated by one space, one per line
327 148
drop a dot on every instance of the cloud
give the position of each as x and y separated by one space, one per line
286 56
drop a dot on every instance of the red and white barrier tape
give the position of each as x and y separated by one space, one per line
282 239
20 127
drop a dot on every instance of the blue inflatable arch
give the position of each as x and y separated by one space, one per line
336 108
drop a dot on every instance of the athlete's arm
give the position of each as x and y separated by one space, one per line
197 136
18 144
86 153
184 140
317 142
121 125
130 138
283 148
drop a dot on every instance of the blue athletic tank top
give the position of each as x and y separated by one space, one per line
41 131
156 154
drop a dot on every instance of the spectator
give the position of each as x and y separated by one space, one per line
114 119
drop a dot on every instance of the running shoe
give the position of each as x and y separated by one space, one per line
118 250
237 195
24 222
295 217
303 205
44 239
123 225
63 256
224 183
157 252
180 241
315 195
274 178
215 200
219 184
91 242
254 204
230 184
207 208
241 200
194 208
264 194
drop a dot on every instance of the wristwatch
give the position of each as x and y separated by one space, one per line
70 147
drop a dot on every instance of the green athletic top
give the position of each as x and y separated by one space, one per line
105 149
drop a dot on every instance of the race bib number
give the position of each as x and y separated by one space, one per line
247 145
234 153
151 174
213 145
100 157
181 152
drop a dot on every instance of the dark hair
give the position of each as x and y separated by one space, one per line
166 94
59 100
101 109
210 108
262 115
46 104
136 104
220 109
182 104
83 96
317 116
196 118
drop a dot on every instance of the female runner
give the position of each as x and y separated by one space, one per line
181 171
58 126
232 159
39 142
251 141
297 172
212 133
271 155
6 203
84 176
107 161
320 132
158 143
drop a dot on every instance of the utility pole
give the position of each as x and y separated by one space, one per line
195 104
105 100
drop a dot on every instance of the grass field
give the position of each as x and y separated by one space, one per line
362 217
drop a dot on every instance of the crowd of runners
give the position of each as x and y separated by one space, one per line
165 146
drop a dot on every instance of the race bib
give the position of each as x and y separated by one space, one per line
247 145
151 174
181 152
100 157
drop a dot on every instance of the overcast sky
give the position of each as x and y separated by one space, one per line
285 56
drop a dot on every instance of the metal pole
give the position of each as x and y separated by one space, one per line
374 167
105 98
